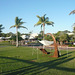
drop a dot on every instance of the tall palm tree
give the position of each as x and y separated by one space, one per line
18 24
73 12
42 21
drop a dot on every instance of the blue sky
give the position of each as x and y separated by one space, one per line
57 11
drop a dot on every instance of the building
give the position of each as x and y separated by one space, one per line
70 33
33 36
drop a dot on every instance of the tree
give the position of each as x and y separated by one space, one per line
18 24
61 37
74 30
66 31
1 28
13 37
42 21
48 37
9 34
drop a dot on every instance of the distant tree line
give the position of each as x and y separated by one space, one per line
61 36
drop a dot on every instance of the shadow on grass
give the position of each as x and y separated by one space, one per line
36 67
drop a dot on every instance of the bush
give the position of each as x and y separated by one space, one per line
73 45
70 45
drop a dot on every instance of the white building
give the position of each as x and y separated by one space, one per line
1 38
33 35
6 38
24 36
70 33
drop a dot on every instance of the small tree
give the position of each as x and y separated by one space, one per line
48 37
61 37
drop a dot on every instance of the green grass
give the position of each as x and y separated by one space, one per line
20 61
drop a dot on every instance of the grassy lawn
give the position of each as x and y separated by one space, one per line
26 61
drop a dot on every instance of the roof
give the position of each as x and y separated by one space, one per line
32 36
70 33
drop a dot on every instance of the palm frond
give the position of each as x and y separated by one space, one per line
2 28
13 26
38 23
0 25
43 17
72 12
20 20
22 27
19 24
38 16
16 20
47 19
49 23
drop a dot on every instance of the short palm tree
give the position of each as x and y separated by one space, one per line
42 21
18 24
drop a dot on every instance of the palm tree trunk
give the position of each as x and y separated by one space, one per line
43 30
41 27
16 37
43 33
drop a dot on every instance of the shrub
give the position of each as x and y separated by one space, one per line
70 45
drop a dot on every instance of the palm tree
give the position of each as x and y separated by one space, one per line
42 21
18 24
73 12
1 27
